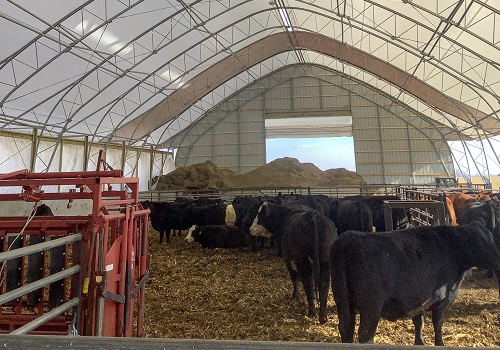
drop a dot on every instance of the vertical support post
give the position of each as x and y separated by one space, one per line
123 160
124 153
388 217
85 153
151 165
34 142
61 142
163 157
381 143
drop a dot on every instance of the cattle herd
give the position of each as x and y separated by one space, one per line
342 243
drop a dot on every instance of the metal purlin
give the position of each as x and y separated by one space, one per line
351 20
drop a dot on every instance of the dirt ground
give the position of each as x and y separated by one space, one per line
242 295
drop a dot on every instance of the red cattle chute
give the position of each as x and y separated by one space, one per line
112 255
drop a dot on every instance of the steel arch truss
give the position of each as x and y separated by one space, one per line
94 68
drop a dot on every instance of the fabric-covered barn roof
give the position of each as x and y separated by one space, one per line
139 71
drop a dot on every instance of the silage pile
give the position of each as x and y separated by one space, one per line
281 172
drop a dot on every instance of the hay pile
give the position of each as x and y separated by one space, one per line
241 295
281 172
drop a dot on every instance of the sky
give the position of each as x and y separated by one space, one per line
324 152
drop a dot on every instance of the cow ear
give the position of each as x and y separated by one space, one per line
481 222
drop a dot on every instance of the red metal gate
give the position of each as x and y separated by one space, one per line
84 273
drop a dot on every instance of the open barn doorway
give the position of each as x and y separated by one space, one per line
326 142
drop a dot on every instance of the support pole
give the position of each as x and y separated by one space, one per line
34 142
85 153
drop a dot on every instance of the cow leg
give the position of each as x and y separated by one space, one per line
262 242
306 274
438 311
418 322
324 282
295 279
368 322
161 236
253 241
346 325
497 274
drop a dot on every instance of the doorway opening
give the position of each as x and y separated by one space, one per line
326 142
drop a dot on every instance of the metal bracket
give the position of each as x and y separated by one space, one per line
113 296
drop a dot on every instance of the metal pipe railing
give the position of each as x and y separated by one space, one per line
19 292
46 317
20 252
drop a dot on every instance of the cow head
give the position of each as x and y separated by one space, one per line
197 234
189 238
477 246
43 210
147 204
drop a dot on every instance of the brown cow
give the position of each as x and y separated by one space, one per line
460 202
451 211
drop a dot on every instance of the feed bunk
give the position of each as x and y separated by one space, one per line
80 274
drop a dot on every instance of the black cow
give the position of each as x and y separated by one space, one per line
246 208
353 215
496 238
489 211
307 237
213 214
218 236
400 217
306 200
43 210
178 226
35 266
243 205
400 274
165 216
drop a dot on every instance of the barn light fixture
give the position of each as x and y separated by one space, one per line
285 18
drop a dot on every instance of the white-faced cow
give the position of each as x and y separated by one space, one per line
306 239
399 274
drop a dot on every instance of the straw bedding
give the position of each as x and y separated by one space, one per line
235 294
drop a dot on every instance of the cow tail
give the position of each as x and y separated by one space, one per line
311 217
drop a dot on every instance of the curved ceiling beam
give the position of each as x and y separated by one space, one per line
181 99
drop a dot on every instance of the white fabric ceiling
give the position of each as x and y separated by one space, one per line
140 71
